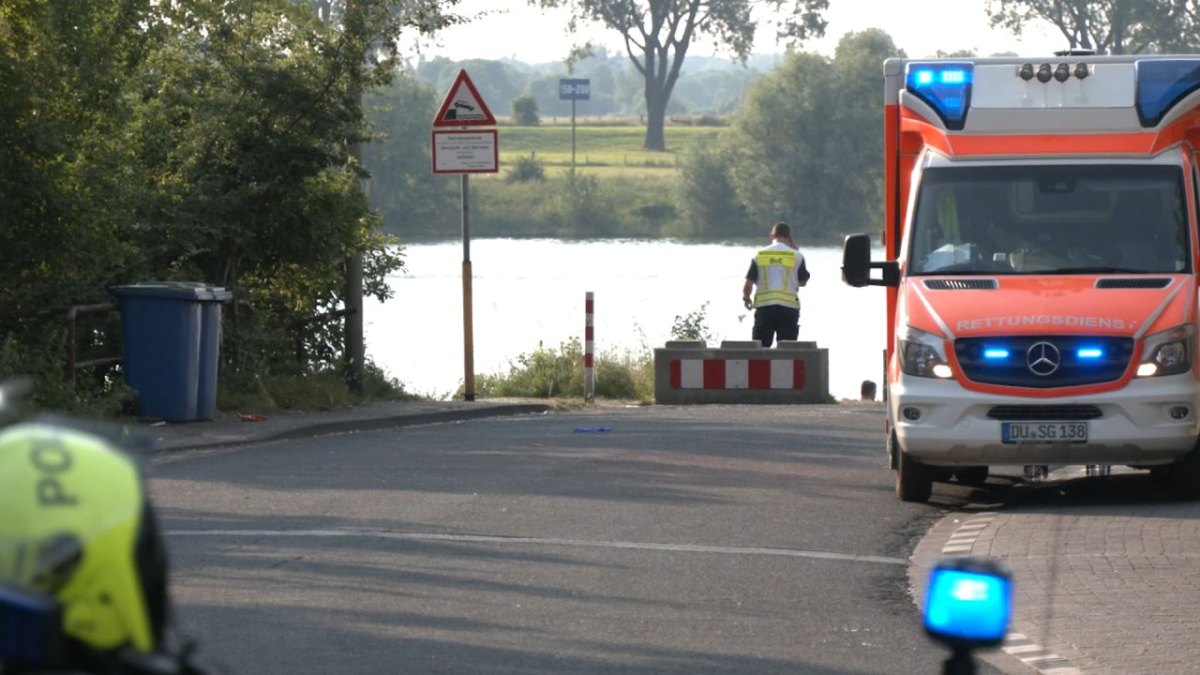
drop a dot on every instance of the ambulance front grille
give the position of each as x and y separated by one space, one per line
1135 282
1038 413
961 284
1044 361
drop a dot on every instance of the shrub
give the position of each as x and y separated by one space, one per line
625 376
544 373
693 326
525 111
526 170
558 373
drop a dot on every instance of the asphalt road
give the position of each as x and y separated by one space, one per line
711 539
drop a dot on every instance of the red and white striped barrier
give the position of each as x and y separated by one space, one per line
737 374
589 337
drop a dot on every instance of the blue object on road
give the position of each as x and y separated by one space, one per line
968 602
592 430
172 340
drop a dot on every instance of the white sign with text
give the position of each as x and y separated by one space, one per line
465 151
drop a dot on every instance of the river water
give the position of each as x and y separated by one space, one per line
528 292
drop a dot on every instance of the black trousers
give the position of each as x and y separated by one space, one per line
773 322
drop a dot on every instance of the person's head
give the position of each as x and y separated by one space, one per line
781 232
868 390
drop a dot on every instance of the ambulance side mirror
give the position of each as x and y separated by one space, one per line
857 265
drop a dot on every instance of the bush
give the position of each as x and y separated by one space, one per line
525 111
625 376
708 201
544 373
526 170
558 373
692 326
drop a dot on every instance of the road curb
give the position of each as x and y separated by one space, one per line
350 425
395 421
953 535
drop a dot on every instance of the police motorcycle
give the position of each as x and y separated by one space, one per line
83 568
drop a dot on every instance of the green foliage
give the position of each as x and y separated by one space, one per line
692 326
324 390
707 196
625 376
584 208
195 141
403 189
1108 26
543 373
828 181
558 373
525 111
665 30
525 170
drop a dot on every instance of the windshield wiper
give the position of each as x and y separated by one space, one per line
1097 270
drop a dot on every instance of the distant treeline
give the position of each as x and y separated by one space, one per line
800 143
707 85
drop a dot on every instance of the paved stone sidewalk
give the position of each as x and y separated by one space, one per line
1100 587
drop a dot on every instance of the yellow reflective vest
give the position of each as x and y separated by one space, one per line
777 283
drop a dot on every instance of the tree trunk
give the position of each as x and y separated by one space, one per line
655 120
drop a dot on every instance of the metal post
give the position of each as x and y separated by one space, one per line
572 135
355 342
589 337
468 340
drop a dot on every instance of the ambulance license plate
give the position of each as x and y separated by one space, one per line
1044 432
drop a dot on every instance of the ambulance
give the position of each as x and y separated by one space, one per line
1040 259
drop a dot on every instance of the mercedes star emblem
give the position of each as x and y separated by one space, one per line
1043 359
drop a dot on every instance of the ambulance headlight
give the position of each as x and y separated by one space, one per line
1168 353
921 354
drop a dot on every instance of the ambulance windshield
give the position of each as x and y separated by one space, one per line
1050 219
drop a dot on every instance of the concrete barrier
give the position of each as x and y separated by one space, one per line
689 371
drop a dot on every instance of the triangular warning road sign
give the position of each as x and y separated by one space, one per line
463 107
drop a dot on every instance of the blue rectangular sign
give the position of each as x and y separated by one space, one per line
574 89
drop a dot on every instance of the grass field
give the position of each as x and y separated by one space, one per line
599 147
624 189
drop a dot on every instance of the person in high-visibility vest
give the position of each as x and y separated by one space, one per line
776 274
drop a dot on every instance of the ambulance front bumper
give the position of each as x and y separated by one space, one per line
939 422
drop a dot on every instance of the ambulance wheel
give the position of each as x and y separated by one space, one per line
1183 477
913 482
971 475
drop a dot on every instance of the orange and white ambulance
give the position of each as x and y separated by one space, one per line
1040 252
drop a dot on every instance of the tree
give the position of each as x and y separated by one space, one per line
409 198
826 113
525 111
1108 26
658 34
190 140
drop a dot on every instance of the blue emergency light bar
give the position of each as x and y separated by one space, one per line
945 86
968 602
1089 353
995 353
1161 83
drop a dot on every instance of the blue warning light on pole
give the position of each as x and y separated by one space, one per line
945 87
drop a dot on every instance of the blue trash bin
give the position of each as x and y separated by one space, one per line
172 335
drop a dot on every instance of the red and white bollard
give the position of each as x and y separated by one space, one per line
589 381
